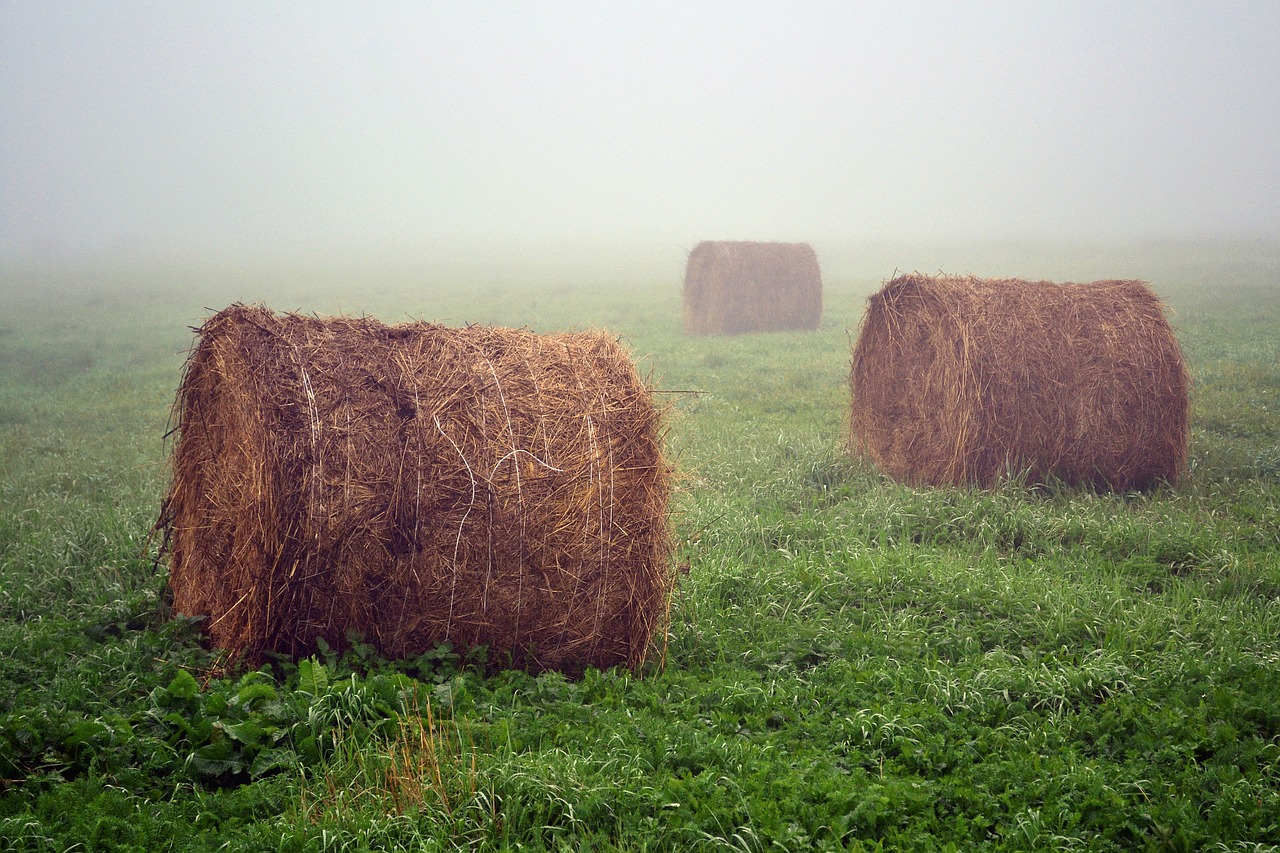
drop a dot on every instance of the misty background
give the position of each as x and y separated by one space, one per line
248 130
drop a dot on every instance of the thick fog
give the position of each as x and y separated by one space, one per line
249 128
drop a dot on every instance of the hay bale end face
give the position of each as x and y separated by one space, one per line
968 381
736 287
418 484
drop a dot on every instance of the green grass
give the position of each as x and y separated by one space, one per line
852 664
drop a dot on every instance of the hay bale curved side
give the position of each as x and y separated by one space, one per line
964 381
733 287
418 484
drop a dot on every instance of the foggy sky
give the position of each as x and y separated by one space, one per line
236 127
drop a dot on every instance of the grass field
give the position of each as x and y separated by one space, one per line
852 664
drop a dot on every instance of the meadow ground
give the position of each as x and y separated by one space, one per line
851 664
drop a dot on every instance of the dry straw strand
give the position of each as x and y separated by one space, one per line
416 484
732 287
957 380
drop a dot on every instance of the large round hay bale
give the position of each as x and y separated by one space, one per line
735 287
968 381
418 484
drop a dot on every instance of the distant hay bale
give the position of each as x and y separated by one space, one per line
736 287
960 380
418 484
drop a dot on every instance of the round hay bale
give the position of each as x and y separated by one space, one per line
735 287
966 381
418 484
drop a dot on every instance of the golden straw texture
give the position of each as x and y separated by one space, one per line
418 484
960 380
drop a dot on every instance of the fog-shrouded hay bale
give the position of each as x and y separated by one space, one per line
417 484
958 380
735 287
